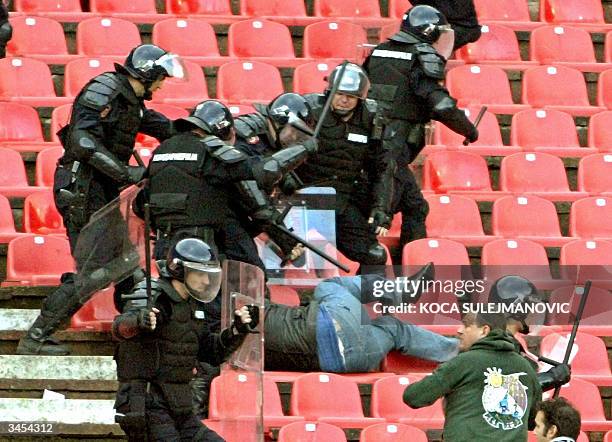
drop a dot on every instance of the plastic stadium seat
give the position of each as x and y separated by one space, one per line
13 179
120 6
311 432
204 7
7 223
397 8
388 30
37 260
170 111
40 215
248 82
59 118
550 130
280 294
343 8
387 403
513 13
529 217
392 433
587 259
604 89
455 217
344 411
482 84
60 10
574 11
597 311
600 136
261 38
19 123
347 39
497 45
275 8
240 109
397 363
78 72
590 362
184 93
28 81
176 35
458 172
589 218
439 251
595 174
541 174
516 257
564 45
38 37
557 87
226 402
585 397
97 314
106 36
311 77
46 161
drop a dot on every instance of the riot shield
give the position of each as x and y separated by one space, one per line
240 409
312 217
110 246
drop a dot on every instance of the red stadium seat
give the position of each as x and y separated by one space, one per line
387 403
516 257
276 8
176 35
19 123
344 411
595 174
585 397
458 172
597 311
600 136
280 294
111 7
311 77
557 87
97 37
528 217
13 179
575 11
455 217
78 72
587 259
604 89
38 37
240 109
204 7
472 85
497 45
348 39
28 81
589 218
512 13
59 118
34 260
539 174
549 131
60 10
184 93
7 223
97 314
397 8
388 31
311 432
40 215
263 39
46 161
231 395
248 82
392 433
342 8
442 252
170 111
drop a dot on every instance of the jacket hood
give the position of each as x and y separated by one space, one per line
496 340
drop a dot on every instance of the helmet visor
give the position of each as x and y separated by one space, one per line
203 281
446 42
295 131
173 65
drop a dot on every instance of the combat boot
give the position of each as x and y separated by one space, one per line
38 341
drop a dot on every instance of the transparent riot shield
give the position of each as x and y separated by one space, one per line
239 411
312 217
111 246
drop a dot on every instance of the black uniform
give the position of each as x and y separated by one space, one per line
351 160
6 30
98 142
154 368
461 15
406 81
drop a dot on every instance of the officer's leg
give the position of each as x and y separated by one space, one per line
192 429
355 239
161 426
237 244
465 35
413 206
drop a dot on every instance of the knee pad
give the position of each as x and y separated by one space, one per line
377 255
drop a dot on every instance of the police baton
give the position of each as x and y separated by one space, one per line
327 106
147 246
476 122
138 158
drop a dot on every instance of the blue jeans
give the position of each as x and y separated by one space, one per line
366 342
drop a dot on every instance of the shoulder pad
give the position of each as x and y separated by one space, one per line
100 91
315 100
250 125
433 64
228 154
138 296
371 105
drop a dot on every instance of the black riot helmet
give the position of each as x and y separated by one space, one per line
513 289
354 81
424 22
212 116
195 264
291 118
148 63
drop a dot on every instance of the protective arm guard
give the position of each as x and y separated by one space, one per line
272 169
444 109
383 187
156 125
127 324
555 377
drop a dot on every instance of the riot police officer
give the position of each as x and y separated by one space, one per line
406 73
352 160
162 338
106 116
6 30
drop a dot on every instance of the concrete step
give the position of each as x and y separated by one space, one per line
67 411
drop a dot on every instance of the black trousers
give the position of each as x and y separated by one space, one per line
354 237
408 199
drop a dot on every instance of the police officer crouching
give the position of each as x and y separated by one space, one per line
162 338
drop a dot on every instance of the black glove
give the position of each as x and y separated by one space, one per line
555 377
243 328
473 135
311 145
144 319
380 219
136 174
